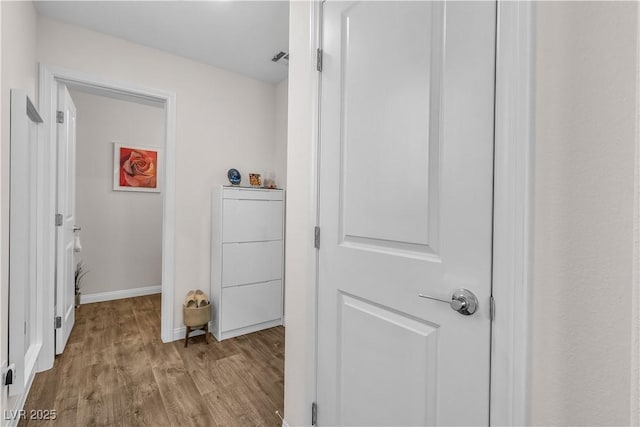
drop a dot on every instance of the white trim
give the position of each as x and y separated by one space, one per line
315 25
31 358
169 222
285 423
20 402
514 141
635 303
46 242
300 386
47 267
124 293
48 77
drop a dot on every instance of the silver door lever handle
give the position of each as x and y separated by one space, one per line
462 300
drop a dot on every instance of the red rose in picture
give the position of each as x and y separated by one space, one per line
138 168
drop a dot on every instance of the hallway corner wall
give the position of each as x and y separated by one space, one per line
223 120
583 212
300 302
18 59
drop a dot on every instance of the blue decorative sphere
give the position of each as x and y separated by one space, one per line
234 176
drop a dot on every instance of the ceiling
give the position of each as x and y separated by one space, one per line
239 36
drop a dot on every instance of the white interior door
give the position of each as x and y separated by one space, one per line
406 178
24 334
66 207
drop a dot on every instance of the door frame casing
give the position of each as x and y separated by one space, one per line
513 178
512 213
49 76
635 285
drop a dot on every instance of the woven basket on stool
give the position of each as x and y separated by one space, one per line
196 318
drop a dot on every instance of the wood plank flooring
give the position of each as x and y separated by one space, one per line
116 371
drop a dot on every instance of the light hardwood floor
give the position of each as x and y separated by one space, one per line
115 371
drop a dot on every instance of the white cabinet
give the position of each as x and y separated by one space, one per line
247 247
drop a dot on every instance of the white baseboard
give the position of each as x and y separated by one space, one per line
284 423
124 293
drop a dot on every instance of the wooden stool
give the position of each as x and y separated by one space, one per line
196 318
197 328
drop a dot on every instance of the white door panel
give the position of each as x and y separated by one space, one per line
405 208
381 378
23 299
66 197
378 178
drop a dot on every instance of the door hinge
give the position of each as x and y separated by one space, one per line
58 220
316 238
492 308
58 322
319 59
60 117
314 414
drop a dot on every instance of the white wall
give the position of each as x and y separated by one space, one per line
281 131
584 175
121 231
18 50
299 375
224 120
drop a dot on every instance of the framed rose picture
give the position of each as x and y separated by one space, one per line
136 168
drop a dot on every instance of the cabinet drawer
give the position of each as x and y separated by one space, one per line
254 262
248 305
252 194
251 220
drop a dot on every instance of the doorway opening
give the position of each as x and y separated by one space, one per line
118 215
51 79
